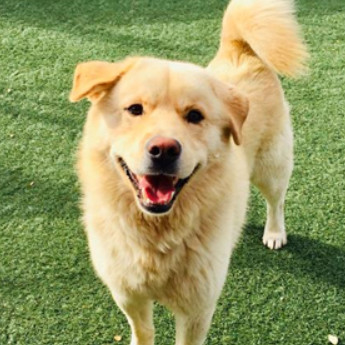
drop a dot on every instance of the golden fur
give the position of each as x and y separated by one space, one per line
180 258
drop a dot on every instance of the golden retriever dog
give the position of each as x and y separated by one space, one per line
168 153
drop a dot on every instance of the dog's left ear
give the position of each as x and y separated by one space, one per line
236 108
93 79
239 108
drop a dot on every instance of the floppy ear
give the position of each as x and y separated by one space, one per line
236 107
94 78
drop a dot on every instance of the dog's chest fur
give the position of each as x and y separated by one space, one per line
154 259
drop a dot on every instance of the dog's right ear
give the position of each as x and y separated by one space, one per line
94 79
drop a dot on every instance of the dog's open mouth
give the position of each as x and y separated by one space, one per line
156 193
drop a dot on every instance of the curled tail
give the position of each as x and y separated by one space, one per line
269 29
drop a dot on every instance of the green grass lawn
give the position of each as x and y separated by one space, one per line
48 291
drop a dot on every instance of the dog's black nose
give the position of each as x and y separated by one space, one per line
163 150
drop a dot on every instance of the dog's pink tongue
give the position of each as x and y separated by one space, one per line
158 189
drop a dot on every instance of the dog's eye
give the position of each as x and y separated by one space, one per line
135 109
194 116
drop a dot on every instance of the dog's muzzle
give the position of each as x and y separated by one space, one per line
158 188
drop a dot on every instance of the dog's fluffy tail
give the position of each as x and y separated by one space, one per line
269 30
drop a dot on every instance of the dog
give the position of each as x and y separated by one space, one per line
166 159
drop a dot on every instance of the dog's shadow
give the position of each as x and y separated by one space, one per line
302 256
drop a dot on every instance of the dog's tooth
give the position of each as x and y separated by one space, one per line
148 201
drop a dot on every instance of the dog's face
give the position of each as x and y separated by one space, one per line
161 122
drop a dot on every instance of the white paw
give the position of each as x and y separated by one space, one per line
274 240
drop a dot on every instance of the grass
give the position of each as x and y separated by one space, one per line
48 291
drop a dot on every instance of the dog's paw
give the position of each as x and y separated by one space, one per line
274 240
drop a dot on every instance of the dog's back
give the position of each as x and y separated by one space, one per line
260 40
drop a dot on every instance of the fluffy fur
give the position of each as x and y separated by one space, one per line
180 258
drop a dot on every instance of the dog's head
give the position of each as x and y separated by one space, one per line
161 122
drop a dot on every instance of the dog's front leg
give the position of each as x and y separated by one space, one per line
191 328
139 315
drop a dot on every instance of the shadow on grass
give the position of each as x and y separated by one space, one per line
70 124
320 260
117 25
24 198
302 256
76 16
79 15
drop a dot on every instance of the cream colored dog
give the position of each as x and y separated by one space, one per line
168 151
